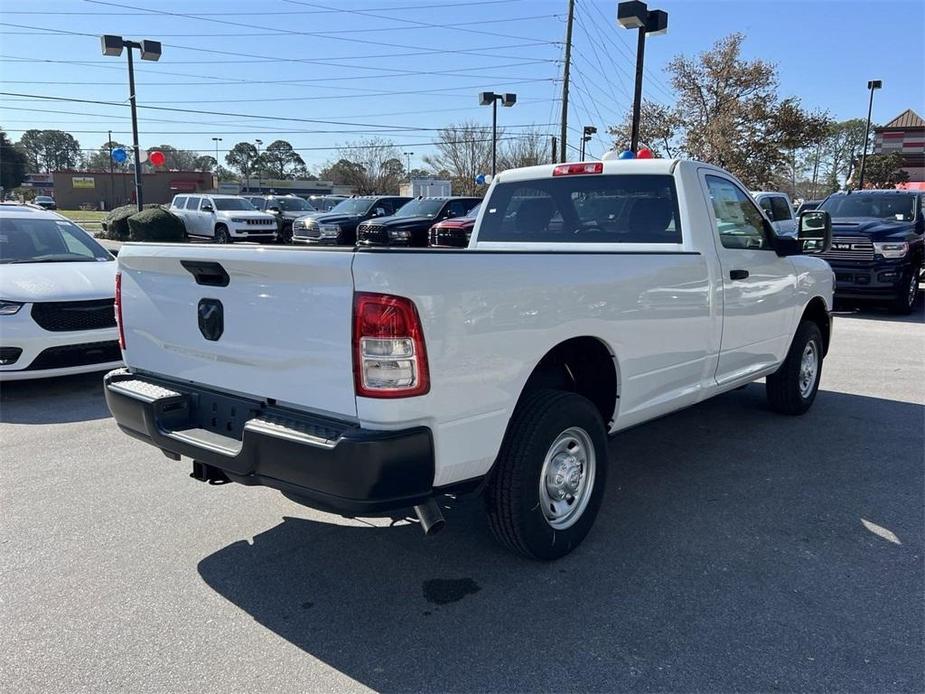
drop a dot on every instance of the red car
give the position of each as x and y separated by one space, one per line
453 233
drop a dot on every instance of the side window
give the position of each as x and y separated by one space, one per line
781 210
192 204
739 222
458 208
203 202
765 204
179 202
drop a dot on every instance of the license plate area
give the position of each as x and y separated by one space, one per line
221 414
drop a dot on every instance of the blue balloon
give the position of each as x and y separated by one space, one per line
119 155
480 179
627 154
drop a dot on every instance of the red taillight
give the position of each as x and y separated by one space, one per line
589 167
118 307
389 357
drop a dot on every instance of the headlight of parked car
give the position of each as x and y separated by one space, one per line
329 230
400 234
8 308
239 220
891 249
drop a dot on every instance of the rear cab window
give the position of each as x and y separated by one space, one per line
585 209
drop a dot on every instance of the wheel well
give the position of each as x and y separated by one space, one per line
582 365
816 312
221 225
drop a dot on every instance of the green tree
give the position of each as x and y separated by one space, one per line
50 150
99 159
243 157
659 128
177 159
12 164
343 172
883 171
280 161
204 163
841 148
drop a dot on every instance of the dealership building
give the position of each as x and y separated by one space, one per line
104 190
905 134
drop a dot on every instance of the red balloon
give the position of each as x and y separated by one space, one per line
645 153
156 158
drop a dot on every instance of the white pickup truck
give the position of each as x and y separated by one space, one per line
367 381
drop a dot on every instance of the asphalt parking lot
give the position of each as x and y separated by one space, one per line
737 550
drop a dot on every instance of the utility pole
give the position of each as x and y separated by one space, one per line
112 184
563 133
816 170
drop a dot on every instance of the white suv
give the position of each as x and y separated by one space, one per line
223 218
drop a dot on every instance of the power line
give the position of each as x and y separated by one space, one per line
271 12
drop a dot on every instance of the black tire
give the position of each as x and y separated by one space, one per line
784 390
285 235
221 234
513 495
904 302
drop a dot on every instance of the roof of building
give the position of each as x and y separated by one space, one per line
906 119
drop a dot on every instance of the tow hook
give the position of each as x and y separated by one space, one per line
430 516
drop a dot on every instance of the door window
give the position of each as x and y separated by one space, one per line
203 202
781 211
739 222
459 208
192 204
179 202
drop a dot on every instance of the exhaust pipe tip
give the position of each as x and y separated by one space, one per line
430 517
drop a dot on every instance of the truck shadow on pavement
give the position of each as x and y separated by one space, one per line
871 311
730 554
53 400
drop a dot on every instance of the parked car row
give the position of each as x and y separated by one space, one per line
372 220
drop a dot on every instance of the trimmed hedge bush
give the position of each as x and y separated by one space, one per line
155 224
115 224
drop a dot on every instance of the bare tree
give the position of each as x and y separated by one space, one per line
659 129
463 152
370 166
528 148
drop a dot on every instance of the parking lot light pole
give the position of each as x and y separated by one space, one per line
636 15
257 164
871 85
492 99
586 133
149 50
409 155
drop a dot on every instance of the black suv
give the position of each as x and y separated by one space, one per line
286 209
878 237
339 226
409 225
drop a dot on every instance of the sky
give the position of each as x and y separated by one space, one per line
319 74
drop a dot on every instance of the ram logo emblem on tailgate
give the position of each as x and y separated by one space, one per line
211 318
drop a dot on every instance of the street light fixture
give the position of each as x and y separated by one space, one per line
586 133
150 50
492 99
636 15
871 85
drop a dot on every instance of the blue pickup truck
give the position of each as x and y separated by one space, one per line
878 245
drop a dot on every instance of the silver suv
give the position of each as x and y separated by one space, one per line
223 218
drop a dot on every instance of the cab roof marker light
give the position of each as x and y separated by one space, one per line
591 167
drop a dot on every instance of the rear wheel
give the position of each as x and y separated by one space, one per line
792 388
221 234
548 481
904 303
285 234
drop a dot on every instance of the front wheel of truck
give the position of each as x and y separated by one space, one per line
792 388
904 303
548 481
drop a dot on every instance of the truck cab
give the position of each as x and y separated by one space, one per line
779 211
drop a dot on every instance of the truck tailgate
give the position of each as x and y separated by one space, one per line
285 314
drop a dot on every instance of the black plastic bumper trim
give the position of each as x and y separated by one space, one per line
327 463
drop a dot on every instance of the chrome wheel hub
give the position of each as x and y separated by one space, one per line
913 288
567 478
809 369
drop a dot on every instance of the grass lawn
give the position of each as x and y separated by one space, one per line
83 215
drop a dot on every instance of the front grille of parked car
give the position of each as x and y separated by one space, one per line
76 355
448 237
374 233
66 316
849 248
310 230
260 222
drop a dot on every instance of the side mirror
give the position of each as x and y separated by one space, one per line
815 231
379 212
207 208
